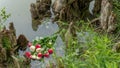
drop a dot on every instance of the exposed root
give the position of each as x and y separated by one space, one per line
16 62
94 20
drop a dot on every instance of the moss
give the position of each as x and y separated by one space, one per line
6 42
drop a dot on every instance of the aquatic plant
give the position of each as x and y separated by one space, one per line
3 17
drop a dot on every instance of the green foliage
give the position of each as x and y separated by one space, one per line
6 42
95 52
116 9
46 41
3 17
99 54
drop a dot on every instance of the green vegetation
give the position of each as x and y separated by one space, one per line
6 42
116 9
89 49
95 52
3 17
46 42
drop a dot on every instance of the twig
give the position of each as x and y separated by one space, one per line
94 20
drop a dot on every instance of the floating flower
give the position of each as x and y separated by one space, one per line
33 56
40 55
46 55
38 46
38 49
50 51
38 58
28 54
29 44
32 48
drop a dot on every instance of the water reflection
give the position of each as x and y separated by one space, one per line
21 17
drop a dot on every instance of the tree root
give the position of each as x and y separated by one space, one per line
94 20
16 62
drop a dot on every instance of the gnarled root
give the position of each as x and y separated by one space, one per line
16 62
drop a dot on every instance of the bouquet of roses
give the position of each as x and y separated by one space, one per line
41 48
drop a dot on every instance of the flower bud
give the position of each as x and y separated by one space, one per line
46 55
40 55
38 58
27 54
50 51
32 48
33 56
38 50
38 46
29 44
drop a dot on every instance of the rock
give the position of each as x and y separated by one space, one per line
111 23
40 9
8 46
34 12
35 24
22 42
58 5
12 28
106 9
3 54
7 42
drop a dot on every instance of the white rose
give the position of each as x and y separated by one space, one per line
41 37
38 50
38 58
33 56
32 48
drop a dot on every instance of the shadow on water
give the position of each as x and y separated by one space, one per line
21 17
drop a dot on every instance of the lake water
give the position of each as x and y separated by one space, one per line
21 17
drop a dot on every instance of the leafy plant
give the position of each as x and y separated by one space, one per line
94 52
116 9
3 17
6 42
